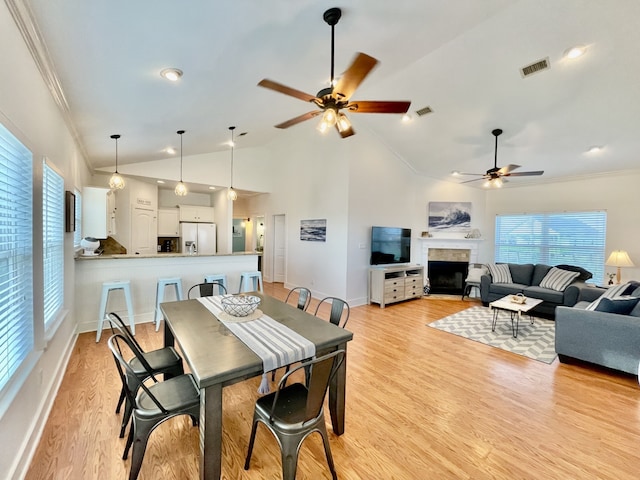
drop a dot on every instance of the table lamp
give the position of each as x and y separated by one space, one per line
619 258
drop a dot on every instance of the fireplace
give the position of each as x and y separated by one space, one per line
447 277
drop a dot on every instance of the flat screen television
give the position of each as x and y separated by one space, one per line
390 245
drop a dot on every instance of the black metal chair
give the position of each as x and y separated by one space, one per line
206 290
161 361
338 308
294 412
153 404
304 297
476 270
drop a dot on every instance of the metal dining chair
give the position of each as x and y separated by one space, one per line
206 290
161 361
293 412
304 297
153 404
338 308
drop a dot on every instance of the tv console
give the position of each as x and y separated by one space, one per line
390 284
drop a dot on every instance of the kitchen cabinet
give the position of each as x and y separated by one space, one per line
98 212
196 213
168 222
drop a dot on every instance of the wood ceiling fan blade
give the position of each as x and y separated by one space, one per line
526 174
507 169
298 119
378 106
354 75
292 92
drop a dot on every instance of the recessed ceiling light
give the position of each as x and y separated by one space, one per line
594 149
171 74
406 118
160 181
575 52
455 173
170 150
212 188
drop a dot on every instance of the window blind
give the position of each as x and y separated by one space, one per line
571 238
52 241
16 261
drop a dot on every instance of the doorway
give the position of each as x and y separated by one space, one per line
279 248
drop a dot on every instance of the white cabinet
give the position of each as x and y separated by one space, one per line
394 284
168 222
98 212
144 230
195 213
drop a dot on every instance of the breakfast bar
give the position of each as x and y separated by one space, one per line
143 272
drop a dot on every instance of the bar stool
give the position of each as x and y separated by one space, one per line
217 277
107 287
249 279
176 282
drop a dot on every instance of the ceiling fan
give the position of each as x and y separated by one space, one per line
495 176
337 97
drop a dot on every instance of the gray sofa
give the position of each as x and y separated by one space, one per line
608 339
526 280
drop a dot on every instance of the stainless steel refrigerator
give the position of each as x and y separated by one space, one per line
203 236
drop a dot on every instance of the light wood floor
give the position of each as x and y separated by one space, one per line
421 404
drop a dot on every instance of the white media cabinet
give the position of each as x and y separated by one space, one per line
392 284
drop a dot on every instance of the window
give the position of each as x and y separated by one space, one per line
16 259
52 241
576 238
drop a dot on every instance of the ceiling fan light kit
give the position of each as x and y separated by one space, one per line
331 100
495 177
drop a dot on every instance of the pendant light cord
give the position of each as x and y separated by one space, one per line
232 146
180 132
116 137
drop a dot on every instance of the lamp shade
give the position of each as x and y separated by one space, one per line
619 258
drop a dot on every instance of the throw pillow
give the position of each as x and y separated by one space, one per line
584 275
500 273
617 305
475 273
558 279
614 291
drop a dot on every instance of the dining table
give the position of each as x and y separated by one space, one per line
217 358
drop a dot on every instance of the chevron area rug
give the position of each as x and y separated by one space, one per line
535 341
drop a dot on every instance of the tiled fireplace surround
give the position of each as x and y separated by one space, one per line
448 250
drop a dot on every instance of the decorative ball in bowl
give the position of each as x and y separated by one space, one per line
240 305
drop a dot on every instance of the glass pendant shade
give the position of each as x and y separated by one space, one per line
232 194
181 188
116 182
343 123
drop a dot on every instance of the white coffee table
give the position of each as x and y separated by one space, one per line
515 309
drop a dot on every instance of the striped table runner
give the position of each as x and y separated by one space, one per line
276 344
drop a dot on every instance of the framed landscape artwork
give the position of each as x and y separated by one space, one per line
313 230
449 216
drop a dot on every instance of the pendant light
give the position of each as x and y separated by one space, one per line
181 188
231 194
116 182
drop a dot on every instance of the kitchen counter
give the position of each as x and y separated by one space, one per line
143 271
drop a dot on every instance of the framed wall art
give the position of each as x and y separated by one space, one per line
449 216
313 230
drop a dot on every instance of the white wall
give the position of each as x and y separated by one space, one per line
28 111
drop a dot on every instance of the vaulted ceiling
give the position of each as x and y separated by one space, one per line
460 58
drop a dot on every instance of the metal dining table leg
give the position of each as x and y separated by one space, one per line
337 389
211 432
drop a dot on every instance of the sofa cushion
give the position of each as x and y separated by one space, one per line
614 291
558 279
621 306
506 288
584 275
500 273
544 294
539 272
521 272
636 310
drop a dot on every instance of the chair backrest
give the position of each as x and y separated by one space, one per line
206 290
118 326
116 344
321 370
338 308
304 297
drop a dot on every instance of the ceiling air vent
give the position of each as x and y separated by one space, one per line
424 111
536 67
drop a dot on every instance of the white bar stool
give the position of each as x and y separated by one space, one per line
107 287
217 277
176 282
249 280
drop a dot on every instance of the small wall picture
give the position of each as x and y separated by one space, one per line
313 230
449 216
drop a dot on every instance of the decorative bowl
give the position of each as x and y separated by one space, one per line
240 305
